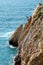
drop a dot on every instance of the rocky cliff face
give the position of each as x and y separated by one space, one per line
31 41
25 31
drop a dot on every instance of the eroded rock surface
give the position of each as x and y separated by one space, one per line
25 31
31 40
15 36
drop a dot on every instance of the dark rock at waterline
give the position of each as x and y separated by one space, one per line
15 43
17 60
15 36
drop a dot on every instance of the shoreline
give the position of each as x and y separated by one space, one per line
28 39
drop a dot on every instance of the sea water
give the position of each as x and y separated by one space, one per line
12 14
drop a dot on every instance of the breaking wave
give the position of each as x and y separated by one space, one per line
7 34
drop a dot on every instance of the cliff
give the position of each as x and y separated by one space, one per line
30 42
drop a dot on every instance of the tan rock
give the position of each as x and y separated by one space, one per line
25 30
36 12
30 43
15 36
31 50
36 59
28 23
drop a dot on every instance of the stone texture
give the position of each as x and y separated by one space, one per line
30 42
31 49
15 36
25 30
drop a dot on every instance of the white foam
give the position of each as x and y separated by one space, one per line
11 46
7 34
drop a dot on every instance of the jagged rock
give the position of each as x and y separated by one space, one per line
37 58
15 36
28 23
37 9
31 20
25 30
17 60
31 42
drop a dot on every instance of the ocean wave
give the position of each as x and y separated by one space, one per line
7 34
12 46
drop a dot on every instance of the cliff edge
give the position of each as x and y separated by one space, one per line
31 40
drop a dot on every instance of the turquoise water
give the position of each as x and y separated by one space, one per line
12 14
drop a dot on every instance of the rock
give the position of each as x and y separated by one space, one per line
36 59
17 60
37 11
28 23
31 20
30 45
31 40
15 36
25 30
